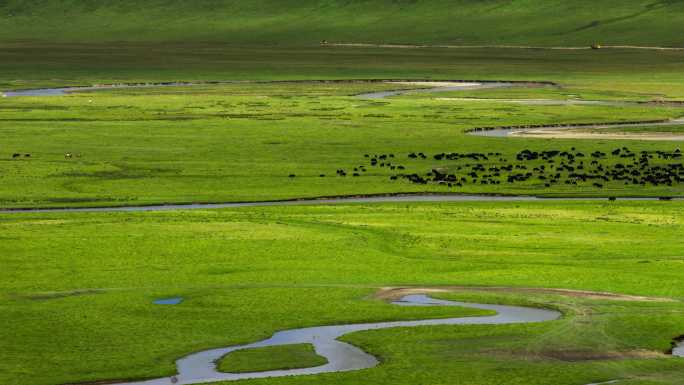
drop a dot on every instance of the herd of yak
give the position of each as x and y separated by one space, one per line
552 167
572 167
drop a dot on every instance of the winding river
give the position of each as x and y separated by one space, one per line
519 131
678 350
62 91
403 86
399 198
200 367
438 86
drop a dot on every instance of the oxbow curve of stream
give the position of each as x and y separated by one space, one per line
200 367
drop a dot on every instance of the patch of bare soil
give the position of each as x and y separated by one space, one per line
65 294
582 355
576 355
574 134
393 293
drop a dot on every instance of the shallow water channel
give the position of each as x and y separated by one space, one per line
430 86
201 367
506 132
61 91
433 87
168 301
407 198
678 350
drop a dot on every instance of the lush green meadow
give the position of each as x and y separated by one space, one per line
77 289
32 64
242 142
307 22
271 358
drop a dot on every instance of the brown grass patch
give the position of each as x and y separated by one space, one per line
584 355
393 293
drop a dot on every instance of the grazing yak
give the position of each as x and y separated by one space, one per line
561 167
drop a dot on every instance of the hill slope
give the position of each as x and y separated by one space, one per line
306 22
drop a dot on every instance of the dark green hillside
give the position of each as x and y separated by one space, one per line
306 22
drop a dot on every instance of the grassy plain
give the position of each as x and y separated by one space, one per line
240 142
307 22
76 289
271 358
244 273
36 64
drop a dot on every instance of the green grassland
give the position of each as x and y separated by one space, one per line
240 142
271 358
536 22
652 74
244 273
77 289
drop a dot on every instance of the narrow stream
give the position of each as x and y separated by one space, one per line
401 198
431 86
200 367
66 90
443 87
507 132
678 350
